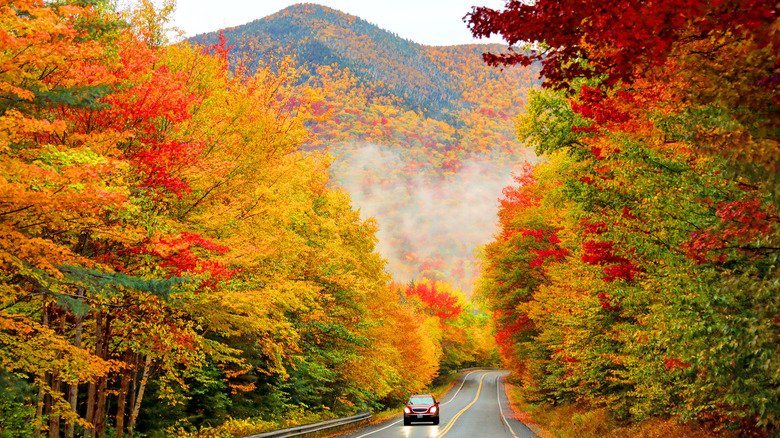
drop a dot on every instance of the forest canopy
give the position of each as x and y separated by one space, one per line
637 267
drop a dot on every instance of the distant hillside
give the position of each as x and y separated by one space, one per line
423 136
423 77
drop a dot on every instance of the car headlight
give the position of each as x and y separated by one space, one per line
433 410
407 410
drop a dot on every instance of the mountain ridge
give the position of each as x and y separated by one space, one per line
317 35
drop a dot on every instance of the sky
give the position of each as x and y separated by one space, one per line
428 22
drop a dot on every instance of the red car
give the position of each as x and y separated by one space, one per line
421 407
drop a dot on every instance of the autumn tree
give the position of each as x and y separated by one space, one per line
54 195
719 58
675 220
646 265
153 199
168 244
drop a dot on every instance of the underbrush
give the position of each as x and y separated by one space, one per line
577 421
250 426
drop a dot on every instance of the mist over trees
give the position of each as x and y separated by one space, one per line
422 137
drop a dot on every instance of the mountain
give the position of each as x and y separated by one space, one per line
317 35
423 136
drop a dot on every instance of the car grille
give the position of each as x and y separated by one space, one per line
419 410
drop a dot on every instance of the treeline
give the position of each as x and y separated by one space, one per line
637 267
169 257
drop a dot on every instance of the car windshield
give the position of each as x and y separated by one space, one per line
421 400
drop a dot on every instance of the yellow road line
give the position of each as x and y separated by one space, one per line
452 422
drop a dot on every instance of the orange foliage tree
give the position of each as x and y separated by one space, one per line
164 234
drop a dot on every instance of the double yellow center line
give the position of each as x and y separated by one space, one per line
452 422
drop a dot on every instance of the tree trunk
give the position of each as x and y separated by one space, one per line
134 385
139 398
89 432
92 390
122 398
73 390
56 386
100 409
54 418
40 410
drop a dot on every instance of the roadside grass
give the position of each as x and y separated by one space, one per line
577 421
235 427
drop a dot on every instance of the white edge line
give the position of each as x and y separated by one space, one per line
459 388
498 397
453 398
379 430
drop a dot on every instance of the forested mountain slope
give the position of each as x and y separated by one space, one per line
320 36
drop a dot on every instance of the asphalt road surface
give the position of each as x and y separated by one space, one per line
475 407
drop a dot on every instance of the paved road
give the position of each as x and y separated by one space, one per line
475 407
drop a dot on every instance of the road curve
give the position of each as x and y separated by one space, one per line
475 407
